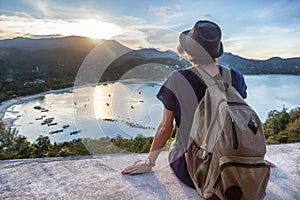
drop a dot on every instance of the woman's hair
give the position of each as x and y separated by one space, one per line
182 54
180 51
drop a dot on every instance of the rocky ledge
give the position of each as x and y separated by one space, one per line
100 177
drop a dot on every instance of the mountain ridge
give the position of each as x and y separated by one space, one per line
66 54
55 42
76 42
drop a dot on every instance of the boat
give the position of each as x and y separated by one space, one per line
37 107
52 124
57 131
66 126
47 121
75 132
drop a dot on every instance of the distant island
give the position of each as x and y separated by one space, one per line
28 66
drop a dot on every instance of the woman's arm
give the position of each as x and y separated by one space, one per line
163 133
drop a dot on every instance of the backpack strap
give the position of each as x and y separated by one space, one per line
226 75
203 75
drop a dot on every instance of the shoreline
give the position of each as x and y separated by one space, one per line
8 103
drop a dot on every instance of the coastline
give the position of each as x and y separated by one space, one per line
6 104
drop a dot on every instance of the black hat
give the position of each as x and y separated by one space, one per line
204 35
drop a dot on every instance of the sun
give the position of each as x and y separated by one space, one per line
92 28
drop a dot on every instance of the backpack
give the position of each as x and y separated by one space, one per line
225 155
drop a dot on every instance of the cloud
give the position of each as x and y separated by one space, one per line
264 41
166 11
162 38
133 39
149 37
15 26
131 19
52 9
41 6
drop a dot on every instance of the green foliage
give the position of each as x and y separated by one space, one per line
14 146
139 144
23 148
294 114
293 131
282 126
272 140
15 89
42 146
277 121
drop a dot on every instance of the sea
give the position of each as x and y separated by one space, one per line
128 108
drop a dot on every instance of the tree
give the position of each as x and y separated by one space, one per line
7 137
294 114
12 145
293 131
23 147
277 121
42 146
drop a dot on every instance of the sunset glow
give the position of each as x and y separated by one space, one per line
252 29
30 27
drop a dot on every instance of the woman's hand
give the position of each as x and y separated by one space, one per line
138 167
163 132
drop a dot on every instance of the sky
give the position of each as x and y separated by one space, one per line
257 29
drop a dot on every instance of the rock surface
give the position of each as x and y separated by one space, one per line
99 177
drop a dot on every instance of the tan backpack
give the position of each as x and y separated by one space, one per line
225 156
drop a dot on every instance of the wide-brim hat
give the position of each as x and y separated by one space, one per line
204 39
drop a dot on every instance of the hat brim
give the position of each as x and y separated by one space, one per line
186 45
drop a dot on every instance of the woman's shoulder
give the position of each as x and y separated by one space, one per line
189 74
235 72
186 73
239 82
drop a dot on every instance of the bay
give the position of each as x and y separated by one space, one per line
128 108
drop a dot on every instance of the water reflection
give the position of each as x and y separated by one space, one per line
125 108
128 108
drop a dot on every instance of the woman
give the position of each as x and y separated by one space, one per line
182 92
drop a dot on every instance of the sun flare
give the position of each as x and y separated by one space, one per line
91 28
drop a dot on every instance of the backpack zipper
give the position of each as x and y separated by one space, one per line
235 141
236 103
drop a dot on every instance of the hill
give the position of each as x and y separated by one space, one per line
76 42
60 58
275 65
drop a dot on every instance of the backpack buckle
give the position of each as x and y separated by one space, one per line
204 147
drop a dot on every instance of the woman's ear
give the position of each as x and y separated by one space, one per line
181 52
